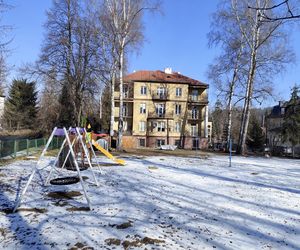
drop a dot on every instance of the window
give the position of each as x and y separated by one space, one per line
177 109
125 109
125 91
194 95
143 90
178 127
160 109
142 126
178 91
161 126
160 142
143 108
142 142
177 143
161 91
194 130
194 113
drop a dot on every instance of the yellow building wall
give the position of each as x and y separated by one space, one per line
170 103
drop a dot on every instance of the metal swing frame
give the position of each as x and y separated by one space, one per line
71 151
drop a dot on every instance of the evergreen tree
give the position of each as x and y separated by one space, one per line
256 136
20 110
67 113
291 124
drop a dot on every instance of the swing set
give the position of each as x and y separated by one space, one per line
74 147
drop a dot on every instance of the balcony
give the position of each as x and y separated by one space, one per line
160 97
194 117
126 96
198 99
166 115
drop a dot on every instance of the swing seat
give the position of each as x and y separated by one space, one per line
65 180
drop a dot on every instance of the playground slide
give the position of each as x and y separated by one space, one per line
107 154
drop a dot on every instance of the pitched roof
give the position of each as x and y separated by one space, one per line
160 76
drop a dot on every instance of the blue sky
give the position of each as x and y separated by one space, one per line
176 39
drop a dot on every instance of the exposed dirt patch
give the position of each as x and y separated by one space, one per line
64 195
136 241
3 232
123 225
80 245
139 242
113 241
74 209
35 210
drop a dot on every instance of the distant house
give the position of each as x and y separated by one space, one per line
274 124
163 108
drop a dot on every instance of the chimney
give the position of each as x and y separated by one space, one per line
168 70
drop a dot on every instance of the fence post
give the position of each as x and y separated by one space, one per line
15 148
27 147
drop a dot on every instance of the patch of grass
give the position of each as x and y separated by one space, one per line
152 167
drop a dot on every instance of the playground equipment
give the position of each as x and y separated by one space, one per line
107 154
77 139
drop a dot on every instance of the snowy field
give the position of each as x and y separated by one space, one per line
157 203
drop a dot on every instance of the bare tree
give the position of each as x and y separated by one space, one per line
4 42
284 10
228 69
268 53
69 50
124 19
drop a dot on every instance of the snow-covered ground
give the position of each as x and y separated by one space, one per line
158 203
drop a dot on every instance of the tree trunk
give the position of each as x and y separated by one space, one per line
120 125
112 101
249 88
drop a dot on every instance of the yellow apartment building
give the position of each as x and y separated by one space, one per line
163 108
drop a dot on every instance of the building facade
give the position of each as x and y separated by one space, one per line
163 108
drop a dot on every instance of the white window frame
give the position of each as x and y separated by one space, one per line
177 109
194 95
161 126
160 109
195 113
161 91
178 92
143 90
142 126
194 130
177 127
143 108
